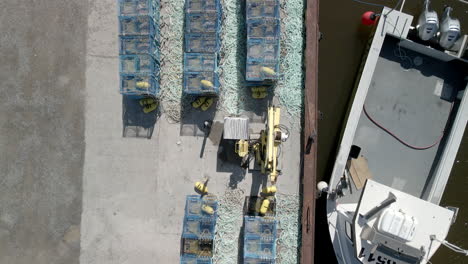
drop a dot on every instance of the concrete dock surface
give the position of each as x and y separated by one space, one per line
73 189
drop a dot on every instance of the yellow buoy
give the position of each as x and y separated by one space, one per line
207 209
269 190
142 85
201 187
268 71
207 84
265 206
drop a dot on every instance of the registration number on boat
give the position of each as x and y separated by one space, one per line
374 258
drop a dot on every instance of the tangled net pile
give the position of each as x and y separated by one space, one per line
290 87
172 34
228 226
234 97
287 214
233 49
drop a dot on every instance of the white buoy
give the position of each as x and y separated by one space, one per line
322 187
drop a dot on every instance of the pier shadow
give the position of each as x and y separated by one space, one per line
136 123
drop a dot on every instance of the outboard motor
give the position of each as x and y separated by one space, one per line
428 23
449 30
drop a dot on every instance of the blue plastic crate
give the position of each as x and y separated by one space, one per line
139 7
139 64
263 49
199 6
193 205
258 261
262 227
264 28
199 228
193 83
255 70
135 45
138 25
206 22
200 62
262 9
257 248
202 43
139 84
195 260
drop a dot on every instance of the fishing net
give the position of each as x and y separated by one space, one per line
234 97
172 35
288 216
229 226
290 87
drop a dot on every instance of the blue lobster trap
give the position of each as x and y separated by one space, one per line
195 260
200 62
199 6
138 84
201 23
264 28
262 70
262 9
139 7
260 227
139 25
139 45
201 83
193 205
257 248
262 49
258 261
199 228
202 43
139 64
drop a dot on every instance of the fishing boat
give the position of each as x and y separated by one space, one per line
402 134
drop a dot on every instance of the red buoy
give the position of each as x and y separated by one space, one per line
369 18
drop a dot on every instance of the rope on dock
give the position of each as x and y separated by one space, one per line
228 226
290 89
172 34
288 215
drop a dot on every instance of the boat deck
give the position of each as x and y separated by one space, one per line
412 95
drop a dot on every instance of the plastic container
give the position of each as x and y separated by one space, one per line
263 28
202 43
262 9
138 84
202 23
193 83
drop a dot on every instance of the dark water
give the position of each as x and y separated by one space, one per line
341 50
